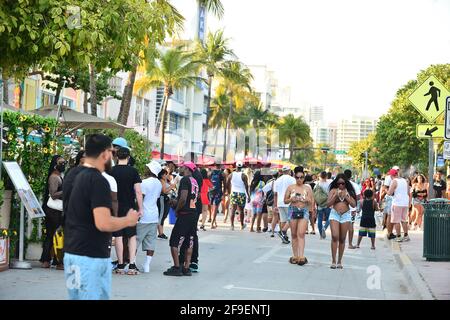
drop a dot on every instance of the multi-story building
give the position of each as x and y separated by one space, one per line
353 130
315 114
323 134
264 84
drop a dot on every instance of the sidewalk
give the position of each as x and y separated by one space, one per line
430 276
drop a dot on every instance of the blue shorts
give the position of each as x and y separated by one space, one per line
387 205
87 278
298 213
215 198
341 218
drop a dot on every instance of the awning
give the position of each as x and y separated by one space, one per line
73 120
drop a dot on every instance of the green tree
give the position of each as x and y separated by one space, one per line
175 69
357 150
295 131
212 54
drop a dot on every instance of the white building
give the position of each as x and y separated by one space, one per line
264 84
324 134
353 130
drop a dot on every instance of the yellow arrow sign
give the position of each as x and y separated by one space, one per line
428 131
429 98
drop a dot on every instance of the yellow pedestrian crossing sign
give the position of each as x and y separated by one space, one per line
429 98
428 131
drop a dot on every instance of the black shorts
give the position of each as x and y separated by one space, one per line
184 230
127 232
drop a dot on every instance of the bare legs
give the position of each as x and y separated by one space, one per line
119 249
214 216
204 214
338 235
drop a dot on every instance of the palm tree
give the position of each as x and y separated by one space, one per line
175 69
236 84
174 21
212 54
295 131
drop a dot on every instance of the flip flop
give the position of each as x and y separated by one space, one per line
333 266
302 262
293 260
373 248
339 266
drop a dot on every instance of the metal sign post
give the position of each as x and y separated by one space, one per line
430 168
21 264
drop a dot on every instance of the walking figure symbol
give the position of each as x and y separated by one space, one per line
435 93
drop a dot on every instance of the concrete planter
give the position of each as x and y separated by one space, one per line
5 210
34 251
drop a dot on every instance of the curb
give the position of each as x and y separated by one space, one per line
411 273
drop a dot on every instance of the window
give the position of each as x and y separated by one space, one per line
47 99
138 116
68 103
146 112
115 83
178 95
174 122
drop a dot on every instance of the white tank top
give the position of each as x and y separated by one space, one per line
401 196
237 184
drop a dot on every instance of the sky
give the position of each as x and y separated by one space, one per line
349 56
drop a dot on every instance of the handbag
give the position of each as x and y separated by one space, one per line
55 204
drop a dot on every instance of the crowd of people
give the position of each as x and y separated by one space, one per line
104 202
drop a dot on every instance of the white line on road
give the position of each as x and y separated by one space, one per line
231 286
268 254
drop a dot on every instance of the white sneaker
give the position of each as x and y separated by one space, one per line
146 268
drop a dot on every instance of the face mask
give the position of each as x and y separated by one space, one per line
61 167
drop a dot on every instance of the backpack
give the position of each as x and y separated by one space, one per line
270 196
320 196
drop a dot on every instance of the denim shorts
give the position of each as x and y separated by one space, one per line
298 213
87 278
387 205
341 218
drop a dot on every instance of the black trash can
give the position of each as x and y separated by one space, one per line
436 231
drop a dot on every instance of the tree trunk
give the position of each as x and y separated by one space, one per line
208 106
215 143
225 149
163 123
85 103
284 151
57 94
93 89
126 99
291 149
5 90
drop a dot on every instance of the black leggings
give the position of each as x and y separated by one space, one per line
163 208
53 220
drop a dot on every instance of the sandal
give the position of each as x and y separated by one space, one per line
333 266
303 261
313 232
351 247
293 260
373 248
339 266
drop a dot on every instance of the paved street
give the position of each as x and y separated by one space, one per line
243 265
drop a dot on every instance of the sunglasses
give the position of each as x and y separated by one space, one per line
301 177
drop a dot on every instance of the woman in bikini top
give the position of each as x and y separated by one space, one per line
340 197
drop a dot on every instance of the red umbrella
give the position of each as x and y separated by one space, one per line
205 161
156 155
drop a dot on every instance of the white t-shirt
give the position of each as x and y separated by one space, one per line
112 182
151 188
357 192
325 185
268 186
387 181
280 188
